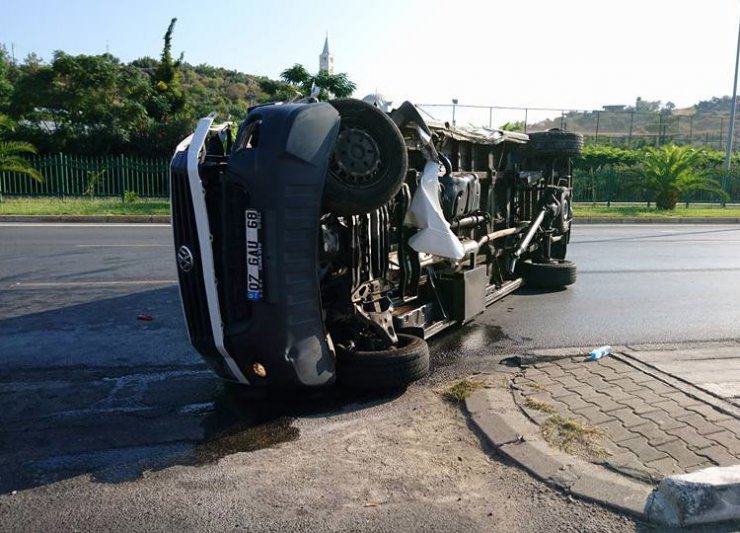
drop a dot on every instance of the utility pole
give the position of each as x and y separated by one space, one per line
728 155
454 105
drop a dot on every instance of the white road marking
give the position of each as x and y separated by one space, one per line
123 246
90 283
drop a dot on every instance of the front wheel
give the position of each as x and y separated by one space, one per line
369 161
554 274
393 368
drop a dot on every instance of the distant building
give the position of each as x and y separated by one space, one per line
614 107
326 59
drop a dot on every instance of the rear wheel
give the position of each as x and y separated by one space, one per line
556 143
369 162
384 369
550 275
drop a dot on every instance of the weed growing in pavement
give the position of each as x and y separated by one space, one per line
461 390
574 437
534 385
538 405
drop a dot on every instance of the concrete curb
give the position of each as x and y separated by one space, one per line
124 219
498 419
704 497
165 219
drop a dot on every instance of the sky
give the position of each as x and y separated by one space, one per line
569 54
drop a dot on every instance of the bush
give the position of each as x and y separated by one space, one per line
130 197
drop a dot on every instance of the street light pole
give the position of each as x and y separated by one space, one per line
730 135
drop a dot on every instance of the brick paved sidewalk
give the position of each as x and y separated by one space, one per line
648 427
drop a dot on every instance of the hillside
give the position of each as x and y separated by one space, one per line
96 104
704 123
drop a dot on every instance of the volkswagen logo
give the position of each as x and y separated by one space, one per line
185 259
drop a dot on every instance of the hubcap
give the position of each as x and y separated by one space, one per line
356 157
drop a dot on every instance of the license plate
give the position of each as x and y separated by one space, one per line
254 255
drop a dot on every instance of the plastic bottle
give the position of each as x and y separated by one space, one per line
598 353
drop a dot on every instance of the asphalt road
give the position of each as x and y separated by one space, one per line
87 388
636 284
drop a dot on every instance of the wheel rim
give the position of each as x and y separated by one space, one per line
356 158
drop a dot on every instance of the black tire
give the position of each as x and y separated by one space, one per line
369 162
558 273
555 143
384 369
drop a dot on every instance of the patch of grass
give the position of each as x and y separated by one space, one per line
574 437
618 211
538 405
83 206
458 392
534 385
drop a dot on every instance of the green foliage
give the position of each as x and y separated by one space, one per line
300 81
597 157
517 125
98 105
169 99
671 172
12 153
130 197
6 87
85 104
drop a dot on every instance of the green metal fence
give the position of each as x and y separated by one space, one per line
67 175
612 184
112 176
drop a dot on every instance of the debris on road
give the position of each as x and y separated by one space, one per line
144 317
598 353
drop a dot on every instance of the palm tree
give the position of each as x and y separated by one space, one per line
336 85
12 152
673 171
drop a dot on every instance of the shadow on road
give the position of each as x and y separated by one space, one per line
88 389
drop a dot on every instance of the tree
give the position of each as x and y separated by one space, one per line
646 106
12 153
331 85
6 87
169 98
673 171
83 104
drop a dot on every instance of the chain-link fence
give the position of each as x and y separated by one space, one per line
614 125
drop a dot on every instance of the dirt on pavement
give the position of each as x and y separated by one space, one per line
406 464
